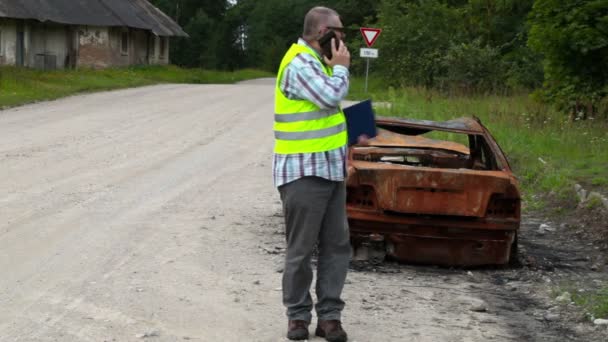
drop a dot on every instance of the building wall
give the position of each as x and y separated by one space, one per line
143 47
158 56
137 52
120 57
163 57
26 41
94 47
140 40
39 40
80 46
8 41
50 45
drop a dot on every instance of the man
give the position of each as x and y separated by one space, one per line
309 171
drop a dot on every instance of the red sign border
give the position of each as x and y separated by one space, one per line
363 29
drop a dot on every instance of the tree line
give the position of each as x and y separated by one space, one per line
556 48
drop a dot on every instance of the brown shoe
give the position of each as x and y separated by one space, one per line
331 330
297 330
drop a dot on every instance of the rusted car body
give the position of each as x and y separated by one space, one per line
424 200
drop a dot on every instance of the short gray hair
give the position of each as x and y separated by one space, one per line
314 19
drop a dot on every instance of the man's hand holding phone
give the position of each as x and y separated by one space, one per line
339 55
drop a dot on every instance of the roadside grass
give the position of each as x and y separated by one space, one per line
21 85
596 303
593 302
547 152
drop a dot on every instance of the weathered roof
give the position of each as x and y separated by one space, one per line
130 13
142 14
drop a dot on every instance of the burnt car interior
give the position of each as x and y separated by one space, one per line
476 156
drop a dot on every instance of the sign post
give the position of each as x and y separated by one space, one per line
369 35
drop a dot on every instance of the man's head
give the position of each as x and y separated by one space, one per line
320 20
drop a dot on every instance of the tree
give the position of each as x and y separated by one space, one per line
205 22
573 38
502 25
447 44
270 27
472 68
416 36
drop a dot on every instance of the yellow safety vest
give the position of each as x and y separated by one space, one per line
300 126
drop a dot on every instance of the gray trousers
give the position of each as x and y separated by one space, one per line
315 211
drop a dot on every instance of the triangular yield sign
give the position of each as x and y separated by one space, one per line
370 35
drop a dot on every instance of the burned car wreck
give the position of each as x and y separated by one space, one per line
419 199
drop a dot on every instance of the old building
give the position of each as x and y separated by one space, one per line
56 34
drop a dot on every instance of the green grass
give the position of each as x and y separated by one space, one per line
593 203
20 85
593 302
547 152
596 303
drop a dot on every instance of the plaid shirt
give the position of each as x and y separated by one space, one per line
304 79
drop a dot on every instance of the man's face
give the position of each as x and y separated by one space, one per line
334 24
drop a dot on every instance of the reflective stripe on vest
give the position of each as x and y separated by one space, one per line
320 133
300 126
317 114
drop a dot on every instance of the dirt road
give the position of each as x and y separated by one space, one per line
149 214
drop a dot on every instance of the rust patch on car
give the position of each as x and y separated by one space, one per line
424 200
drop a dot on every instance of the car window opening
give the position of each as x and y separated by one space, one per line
453 151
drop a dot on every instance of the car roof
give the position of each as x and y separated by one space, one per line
466 125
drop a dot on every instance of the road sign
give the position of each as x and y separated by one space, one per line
370 35
369 53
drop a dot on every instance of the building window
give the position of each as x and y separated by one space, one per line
124 42
163 46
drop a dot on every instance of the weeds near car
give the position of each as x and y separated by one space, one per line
596 303
593 203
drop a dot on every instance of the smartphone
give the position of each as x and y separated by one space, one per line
325 43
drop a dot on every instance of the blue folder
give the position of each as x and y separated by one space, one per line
360 120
